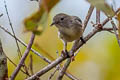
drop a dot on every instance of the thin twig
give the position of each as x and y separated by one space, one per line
57 68
34 0
16 66
115 31
19 52
72 77
63 70
10 23
14 74
47 68
88 17
97 16
24 44
109 30
1 15
35 52
52 74
107 19
103 29
31 65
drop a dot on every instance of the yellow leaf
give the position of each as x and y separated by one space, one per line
31 23
103 6
48 4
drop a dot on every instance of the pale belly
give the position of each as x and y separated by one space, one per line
70 35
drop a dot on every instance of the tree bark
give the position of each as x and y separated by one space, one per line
3 64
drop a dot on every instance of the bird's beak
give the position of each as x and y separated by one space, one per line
52 23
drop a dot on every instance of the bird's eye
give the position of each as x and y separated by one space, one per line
62 18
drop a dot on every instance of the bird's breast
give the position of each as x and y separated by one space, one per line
70 34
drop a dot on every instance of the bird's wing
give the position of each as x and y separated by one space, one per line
77 20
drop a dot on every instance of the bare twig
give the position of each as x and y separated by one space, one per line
16 66
47 68
19 52
108 29
52 74
97 16
63 70
34 0
107 19
1 15
37 53
31 65
114 29
88 17
23 57
71 76
57 68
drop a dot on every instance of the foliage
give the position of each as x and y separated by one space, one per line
103 6
32 22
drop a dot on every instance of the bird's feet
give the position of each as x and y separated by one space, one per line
66 54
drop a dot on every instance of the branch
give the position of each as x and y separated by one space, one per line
62 72
35 52
106 20
24 44
97 16
1 15
16 66
19 52
52 74
10 23
31 65
23 57
3 64
47 68
114 29
88 17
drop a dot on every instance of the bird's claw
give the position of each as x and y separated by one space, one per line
65 54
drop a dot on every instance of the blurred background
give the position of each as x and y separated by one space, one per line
98 59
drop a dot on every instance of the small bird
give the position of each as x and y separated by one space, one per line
69 28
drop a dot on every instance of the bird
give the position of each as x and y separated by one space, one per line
69 28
